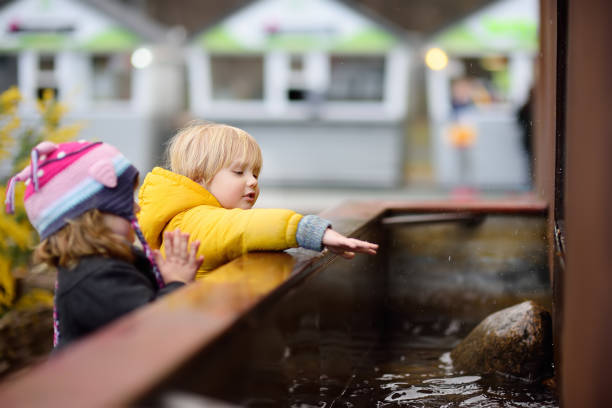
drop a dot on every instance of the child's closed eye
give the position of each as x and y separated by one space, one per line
239 172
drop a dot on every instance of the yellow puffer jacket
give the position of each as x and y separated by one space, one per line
168 201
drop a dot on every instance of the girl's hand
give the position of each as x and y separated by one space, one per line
180 265
346 247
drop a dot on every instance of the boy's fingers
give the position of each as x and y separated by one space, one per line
348 255
168 238
348 251
157 256
195 245
176 237
183 240
193 250
169 242
368 248
199 261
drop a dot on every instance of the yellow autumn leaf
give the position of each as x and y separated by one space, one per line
35 297
7 283
9 100
65 133
15 232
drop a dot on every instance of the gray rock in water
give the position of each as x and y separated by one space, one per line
515 341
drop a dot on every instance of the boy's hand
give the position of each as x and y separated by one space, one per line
346 247
180 265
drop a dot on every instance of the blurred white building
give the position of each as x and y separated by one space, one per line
474 95
118 72
320 85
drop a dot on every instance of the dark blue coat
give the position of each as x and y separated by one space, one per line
98 290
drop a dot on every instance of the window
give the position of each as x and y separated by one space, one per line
237 77
112 77
46 75
298 90
8 71
356 78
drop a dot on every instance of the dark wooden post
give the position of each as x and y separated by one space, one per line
587 323
549 131
545 102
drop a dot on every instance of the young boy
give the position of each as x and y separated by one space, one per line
209 193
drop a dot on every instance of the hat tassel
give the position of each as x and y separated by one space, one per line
148 252
9 201
34 167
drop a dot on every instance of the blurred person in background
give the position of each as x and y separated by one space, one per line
525 120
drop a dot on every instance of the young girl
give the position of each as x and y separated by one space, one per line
209 193
80 199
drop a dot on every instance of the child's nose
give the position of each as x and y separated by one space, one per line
252 180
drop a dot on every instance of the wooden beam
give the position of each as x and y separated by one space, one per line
587 326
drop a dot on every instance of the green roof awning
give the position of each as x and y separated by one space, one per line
113 39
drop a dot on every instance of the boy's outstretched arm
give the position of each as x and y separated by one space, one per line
346 247
180 264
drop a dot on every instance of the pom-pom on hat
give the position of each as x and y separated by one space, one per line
66 180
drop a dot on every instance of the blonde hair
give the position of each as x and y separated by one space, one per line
83 236
200 150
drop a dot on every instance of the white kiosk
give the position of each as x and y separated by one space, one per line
474 98
322 88
88 53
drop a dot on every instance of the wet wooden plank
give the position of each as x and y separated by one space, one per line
128 357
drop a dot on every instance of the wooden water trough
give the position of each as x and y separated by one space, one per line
270 327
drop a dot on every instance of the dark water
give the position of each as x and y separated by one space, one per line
416 372
311 363
377 331
405 372
411 368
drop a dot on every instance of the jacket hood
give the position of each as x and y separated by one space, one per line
164 195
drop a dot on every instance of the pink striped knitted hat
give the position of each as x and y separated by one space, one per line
66 180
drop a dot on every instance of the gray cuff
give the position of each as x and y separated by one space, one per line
310 232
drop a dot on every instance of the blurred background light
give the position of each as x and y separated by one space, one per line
142 58
436 59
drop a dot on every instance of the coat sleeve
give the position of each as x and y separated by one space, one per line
111 291
226 234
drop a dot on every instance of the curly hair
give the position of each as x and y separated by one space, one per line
85 235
